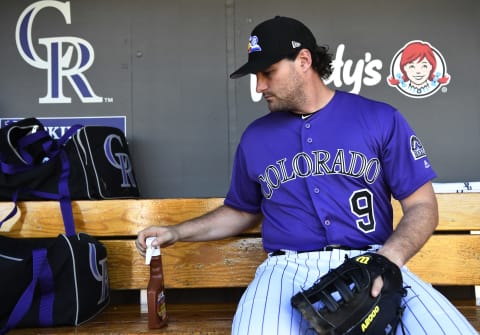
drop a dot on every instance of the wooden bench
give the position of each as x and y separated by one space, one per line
217 272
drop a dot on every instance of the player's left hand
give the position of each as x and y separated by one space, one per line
345 296
377 286
378 282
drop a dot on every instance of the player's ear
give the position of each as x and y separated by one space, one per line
304 58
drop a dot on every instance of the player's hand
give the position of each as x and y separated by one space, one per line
164 236
377 286
378 282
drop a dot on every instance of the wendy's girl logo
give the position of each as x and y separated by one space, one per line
418 70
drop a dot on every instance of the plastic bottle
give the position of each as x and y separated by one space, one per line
157 310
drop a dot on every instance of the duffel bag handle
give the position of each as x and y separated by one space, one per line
50 149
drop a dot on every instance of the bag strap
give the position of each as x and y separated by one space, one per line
41 274
52 149
64 192
47 297
13 211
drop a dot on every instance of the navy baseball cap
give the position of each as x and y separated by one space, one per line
273 40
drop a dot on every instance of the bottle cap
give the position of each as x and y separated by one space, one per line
151 251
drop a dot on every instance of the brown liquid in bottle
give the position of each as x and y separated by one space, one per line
157 310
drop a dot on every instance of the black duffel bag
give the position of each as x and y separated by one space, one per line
52 281
97 156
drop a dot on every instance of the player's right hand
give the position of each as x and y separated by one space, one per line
164 236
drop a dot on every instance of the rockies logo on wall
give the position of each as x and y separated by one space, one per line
418 70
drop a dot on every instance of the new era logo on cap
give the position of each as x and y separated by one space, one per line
296 44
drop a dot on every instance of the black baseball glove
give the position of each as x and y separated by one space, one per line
340 302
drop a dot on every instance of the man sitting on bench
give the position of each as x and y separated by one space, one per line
320 169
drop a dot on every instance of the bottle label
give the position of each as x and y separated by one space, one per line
161 306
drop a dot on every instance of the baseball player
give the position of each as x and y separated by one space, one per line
320 170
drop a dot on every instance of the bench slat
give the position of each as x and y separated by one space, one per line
225 263
126 217
450 267
232 262
105 217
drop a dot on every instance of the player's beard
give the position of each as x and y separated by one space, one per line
290 96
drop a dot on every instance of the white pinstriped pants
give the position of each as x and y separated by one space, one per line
265 306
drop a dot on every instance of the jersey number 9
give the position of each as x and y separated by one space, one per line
361 204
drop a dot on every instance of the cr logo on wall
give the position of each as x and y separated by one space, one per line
61 51
418 70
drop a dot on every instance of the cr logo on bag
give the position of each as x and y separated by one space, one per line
119 160
99 275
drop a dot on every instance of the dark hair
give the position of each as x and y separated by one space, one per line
321 60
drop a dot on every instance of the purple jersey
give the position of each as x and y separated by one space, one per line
328 178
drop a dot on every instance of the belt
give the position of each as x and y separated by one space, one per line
325 248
